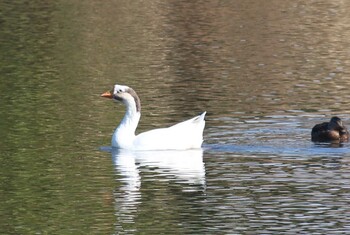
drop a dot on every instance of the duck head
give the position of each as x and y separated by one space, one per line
336 124
125 95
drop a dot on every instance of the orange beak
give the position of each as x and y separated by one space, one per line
107 94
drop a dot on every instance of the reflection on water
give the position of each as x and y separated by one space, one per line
265 71
186 165
136 168
257 193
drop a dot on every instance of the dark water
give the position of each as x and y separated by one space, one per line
265 72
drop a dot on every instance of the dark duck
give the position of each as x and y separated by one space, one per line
330 131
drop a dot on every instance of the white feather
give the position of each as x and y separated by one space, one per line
184 135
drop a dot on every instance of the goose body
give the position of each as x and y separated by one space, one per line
181 136
330 131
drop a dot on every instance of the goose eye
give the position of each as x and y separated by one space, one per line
119 91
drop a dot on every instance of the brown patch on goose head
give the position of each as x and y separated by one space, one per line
136 98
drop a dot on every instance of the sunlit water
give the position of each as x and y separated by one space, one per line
265 71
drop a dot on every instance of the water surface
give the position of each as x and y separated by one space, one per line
265 72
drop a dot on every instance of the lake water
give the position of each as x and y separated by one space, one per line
265 71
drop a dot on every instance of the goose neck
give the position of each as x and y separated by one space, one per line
130 120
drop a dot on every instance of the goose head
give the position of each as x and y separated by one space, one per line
124 94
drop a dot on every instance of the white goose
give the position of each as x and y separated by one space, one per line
181 136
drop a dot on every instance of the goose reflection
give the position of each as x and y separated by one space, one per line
185 166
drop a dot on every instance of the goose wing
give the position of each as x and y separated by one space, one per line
184 135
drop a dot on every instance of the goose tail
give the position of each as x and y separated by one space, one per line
200 117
